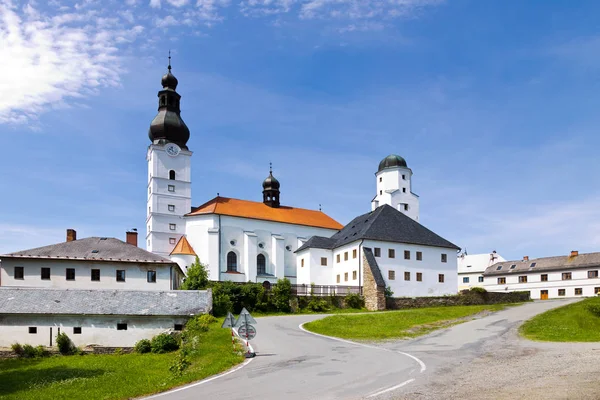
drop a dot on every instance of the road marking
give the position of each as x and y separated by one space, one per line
392 388
421 363
202 382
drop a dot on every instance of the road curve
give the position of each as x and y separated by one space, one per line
292 364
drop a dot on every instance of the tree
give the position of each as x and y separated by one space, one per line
197 277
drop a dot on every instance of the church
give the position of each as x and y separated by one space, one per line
241 240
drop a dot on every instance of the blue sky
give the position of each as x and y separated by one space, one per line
493 104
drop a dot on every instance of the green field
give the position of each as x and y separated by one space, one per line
112 376
570 323
395 324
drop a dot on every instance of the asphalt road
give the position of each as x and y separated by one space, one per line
293 364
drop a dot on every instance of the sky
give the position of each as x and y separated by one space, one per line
492 103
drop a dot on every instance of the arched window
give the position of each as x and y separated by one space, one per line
231 262
261 264
172 175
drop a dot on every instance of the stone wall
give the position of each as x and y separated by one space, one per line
373 288
465 298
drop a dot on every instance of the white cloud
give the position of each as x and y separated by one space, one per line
169 20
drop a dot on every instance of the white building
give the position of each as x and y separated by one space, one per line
113 318
472 266
575 275
90 263
412 260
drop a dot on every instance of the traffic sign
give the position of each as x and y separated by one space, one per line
229 321
244 319
247 332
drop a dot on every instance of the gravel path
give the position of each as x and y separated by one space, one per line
497 364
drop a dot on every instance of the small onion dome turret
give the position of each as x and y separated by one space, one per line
392 161
271 182
169 81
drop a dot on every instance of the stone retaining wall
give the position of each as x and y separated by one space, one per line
465 298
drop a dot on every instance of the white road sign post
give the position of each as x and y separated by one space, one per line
245 329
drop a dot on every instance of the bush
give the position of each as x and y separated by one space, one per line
200 323
143 346
29 351
197 277
282 294
40 351
17 349
353 300
180 363
318 305
593 308
478 289
64 344
222 304
163 343
388 291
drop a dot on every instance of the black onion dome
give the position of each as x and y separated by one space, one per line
392 161
167 126
271 182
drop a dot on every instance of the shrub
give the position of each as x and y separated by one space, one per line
317 305
197 277
40 351
282 293
29 351
594 309
64 344
478 289
353 300
17 349
143 346
180 363
222 304
118 351
163 343
388 291
200 323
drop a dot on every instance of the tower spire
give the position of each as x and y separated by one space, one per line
271 189
169 67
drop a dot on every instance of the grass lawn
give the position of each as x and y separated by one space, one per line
394 324
113 376
570 323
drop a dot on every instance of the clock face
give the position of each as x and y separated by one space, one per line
172 149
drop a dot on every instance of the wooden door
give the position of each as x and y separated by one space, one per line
544 295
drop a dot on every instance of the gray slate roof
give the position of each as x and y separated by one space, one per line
385 224
589 260
103 302
108 249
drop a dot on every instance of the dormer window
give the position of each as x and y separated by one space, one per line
513 266
499 267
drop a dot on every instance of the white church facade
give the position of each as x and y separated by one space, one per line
242 240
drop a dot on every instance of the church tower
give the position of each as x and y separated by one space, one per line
271 190
394 187
169 171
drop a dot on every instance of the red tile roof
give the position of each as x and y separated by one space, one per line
183 247
253 209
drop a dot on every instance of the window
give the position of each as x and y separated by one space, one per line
466 279
444 258
403 190
419 256
419 277
441 278
566 276
377 252
403 176
354 253
391 253
120 275
593 274
171 188
501 281
19 273
232 242
578 291
76 330
499 267
261 264
178 327
523 279
337 258
407 276
345 276
596 290
46 274
345 256
380 179
324 261
70 272
32 329
391 275
354 275
338 279
172 240
172 227
480 279
122 327
172 175
288 248
407 254
302 263
405 207
513 266
532 265
95 275
544 277
151 276
381 192
561 292
171 207
231 262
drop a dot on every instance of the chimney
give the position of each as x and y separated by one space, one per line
71 235
132 237
574 253
525 258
